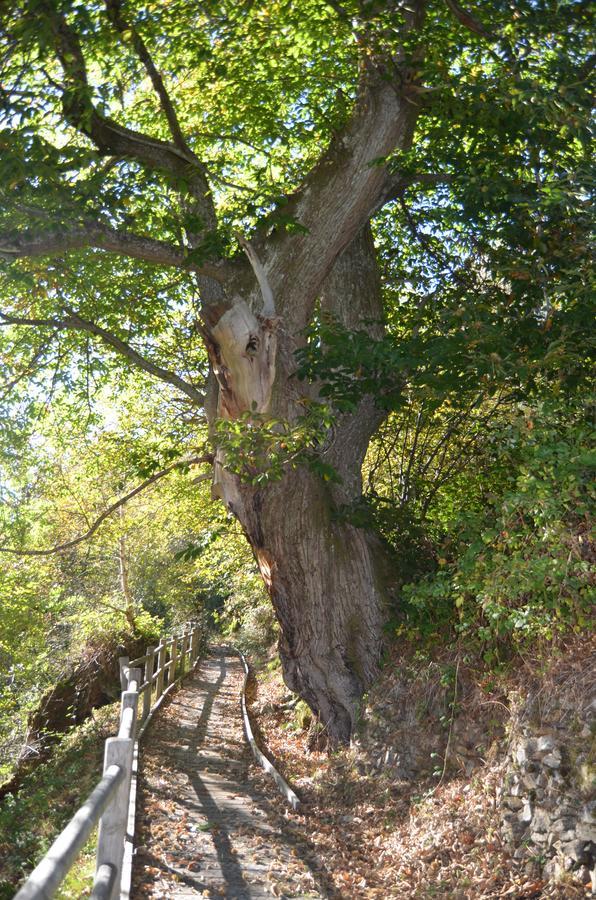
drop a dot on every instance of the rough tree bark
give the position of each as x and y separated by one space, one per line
327 579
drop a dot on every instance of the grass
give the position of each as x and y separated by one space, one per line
48 798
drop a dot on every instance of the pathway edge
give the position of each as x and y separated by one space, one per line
282 785
126 879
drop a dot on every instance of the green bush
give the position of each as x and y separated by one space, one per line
522 568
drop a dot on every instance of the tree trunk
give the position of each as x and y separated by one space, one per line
322 576
326 578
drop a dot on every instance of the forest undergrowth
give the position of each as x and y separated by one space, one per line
50 794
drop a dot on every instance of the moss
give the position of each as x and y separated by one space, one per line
302 715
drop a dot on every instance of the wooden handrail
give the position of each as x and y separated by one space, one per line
105 878
49 874
108 803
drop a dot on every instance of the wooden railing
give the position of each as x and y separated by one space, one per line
147 677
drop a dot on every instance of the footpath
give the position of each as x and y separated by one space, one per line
206 826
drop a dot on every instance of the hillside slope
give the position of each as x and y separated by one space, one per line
458 784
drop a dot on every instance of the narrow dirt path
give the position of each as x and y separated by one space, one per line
206 826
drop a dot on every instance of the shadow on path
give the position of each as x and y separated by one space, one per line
202 810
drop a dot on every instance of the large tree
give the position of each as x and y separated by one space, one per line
189 189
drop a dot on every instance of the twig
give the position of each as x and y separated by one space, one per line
448 746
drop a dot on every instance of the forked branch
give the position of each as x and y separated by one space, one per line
124 27
113 139
261 276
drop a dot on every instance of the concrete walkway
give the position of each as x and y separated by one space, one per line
204 827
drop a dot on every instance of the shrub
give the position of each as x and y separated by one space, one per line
522 568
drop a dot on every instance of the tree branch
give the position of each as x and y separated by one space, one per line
342 191
116 17
92 234
74 322
469 21
261 276
111 138
395 185
58 548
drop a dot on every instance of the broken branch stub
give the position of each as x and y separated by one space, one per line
242 349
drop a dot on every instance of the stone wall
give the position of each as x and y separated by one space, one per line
548 800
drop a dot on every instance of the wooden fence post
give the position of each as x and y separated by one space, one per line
161 658
173 661
148 678
130 701
190 647
123 663
183 651
112 825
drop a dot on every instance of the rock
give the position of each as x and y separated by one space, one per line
576 851
566 810
539 837
546 744
525 815
552 760
524 752
563 824
554 869
586 832
530 781
583 874
540 820
588 813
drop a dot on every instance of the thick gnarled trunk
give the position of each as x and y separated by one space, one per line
326 578
323 576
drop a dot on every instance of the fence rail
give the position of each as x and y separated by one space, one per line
108 803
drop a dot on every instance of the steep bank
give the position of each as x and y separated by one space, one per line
460 783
